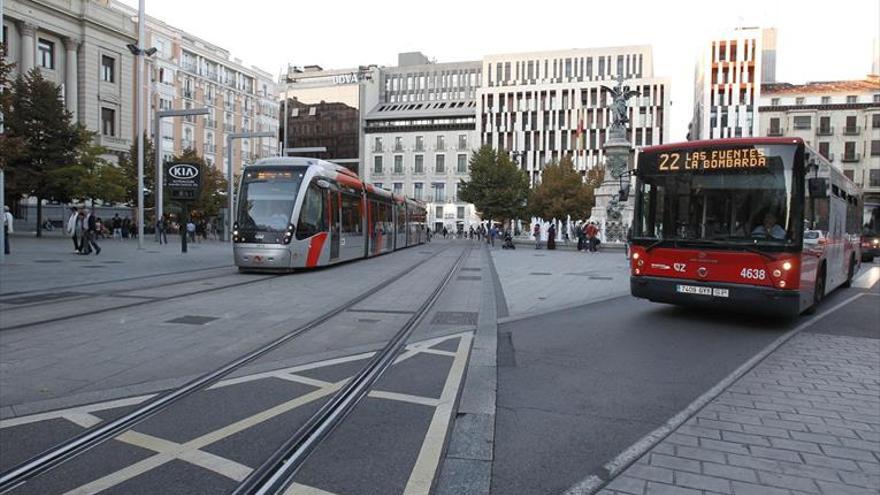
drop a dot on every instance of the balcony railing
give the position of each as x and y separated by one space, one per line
210 148
851 157
188 94
852 130
420 147
774 131
441 147
419 171
378 171
210 123
187 144
825 131
462 146
378 148
398 147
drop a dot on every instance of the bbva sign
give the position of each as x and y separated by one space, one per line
183 171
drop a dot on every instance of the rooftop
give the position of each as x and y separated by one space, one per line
870 84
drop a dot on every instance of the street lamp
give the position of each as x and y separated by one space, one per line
157 132
229 138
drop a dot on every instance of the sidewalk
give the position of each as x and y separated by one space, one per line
805 420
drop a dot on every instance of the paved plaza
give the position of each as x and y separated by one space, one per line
535 372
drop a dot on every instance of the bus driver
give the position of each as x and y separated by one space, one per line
769 228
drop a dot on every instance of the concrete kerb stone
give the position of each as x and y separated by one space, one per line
597 481
467 462
563 307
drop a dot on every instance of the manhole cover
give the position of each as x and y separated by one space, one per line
469 277
454 318
193 320
601 278
47 261
471 269
540 273
51 296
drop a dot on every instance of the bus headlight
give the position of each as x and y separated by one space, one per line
635 256
786 266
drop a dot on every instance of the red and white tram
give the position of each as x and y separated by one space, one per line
304 212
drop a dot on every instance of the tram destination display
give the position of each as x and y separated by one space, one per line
184 180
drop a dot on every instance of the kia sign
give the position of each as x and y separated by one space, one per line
184 180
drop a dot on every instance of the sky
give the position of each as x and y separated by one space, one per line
817 40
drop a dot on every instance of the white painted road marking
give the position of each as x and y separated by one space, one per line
868 278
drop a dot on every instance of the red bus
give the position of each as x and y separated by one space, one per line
763 224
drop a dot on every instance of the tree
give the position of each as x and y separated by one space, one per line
10 147
93 177
213 194
49 138
497 188
128 167
562 192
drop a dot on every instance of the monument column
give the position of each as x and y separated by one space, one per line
28 47
70 76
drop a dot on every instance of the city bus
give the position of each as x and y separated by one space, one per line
757 224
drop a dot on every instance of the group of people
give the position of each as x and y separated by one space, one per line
588 237
83 226
195 230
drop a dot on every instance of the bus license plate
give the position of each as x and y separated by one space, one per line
702 291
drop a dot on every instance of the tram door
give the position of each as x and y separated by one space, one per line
335 230
352 238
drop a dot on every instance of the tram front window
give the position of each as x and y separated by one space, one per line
268 197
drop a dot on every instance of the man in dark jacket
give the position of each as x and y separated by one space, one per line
92 228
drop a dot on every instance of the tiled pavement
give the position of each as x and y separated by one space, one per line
805 420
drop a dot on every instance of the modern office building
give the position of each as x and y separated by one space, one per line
81 46
840 119
189 72
543 106
421 132
325 110
727 83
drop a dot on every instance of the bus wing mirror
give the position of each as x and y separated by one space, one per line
624 192
817 187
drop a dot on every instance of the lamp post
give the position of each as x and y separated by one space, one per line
157 132
2 177
229 137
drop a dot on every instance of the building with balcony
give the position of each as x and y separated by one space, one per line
546 105
727 86
188 72
79 45
840 119
420 134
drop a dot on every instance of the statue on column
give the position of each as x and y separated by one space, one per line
617 164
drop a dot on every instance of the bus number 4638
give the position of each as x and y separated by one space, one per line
753 274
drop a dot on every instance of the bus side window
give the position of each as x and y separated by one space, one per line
816 213
311 216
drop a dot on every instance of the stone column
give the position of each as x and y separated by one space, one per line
28 46
70 76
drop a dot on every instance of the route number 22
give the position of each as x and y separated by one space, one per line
669 161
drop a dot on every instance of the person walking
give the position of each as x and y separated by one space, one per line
428 234
592 231
79 231
191 230
551 237
72 230
581 237
493 233
537 233
91 227
160 228
8 220
116 224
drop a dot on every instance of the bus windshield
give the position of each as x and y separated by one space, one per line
267 198
740 195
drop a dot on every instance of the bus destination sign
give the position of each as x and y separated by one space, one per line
712 160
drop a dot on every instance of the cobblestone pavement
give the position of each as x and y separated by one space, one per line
805 420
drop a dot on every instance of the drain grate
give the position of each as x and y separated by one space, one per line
193 320
540 273
471 269
454 318
50 296
469 277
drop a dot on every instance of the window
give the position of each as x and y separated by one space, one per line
441 143
398 164
851 127
107 69
462 142
420 143
774 102
850 174
852 99
420 164
877 98
875 148
824 148
440 164
439 193
774 126
802 122
377 144
398 188
462 164
398 144
377 185
108 122
46 53
311 216
377 165
824 125
799 100
874 177
418 190
460 212
849 150
438 213
826 100
875 121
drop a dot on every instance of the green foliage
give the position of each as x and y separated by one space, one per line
128 168
10 147
497 187
561 192
93 177
213 194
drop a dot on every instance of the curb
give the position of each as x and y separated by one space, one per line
596 481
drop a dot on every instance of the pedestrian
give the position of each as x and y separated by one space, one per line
428 234
581 237
72 230
126 227
551 237
8 220
116 224
592 231
191 230
91 224
79 231
445 232
493 233
537 233
160 228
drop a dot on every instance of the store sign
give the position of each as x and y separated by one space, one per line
183 180
350 78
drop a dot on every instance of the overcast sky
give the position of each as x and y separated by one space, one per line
816 39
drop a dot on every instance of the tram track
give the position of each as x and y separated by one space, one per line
98 434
